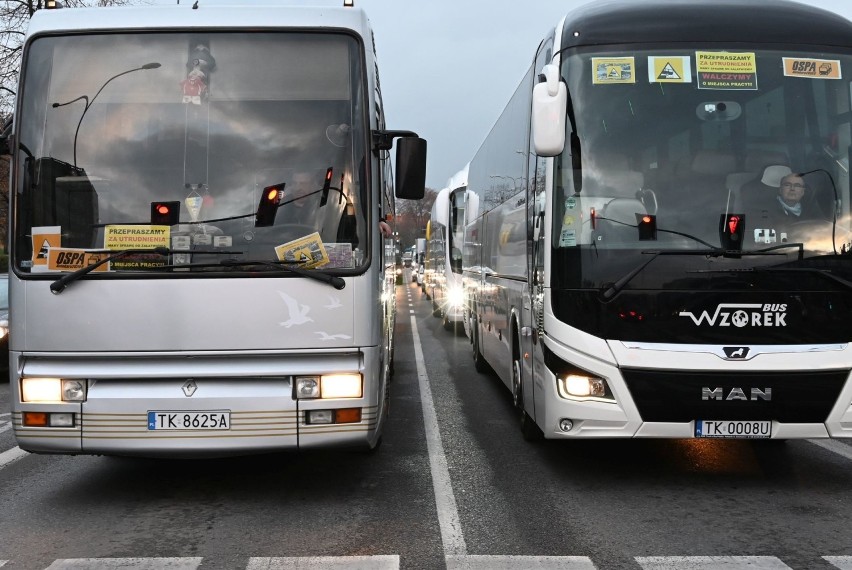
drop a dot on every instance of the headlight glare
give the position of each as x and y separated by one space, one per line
341 386
41 390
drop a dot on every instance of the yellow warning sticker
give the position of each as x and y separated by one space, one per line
126 236
726 70
809 67
44 238
308 251
68 259
608 70
669 69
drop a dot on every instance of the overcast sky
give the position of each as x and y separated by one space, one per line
448 67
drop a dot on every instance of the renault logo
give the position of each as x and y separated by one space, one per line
189 388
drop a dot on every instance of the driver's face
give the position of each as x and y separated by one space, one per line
792 189
300 186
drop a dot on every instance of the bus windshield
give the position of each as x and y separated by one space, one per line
217 146
676 143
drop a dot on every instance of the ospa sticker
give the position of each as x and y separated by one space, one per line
669 69
726 70
612 70
68 259
816 68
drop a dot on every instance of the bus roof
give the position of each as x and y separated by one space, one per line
253 15
725 21
459 179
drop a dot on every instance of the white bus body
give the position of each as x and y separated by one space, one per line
446 235
193 135
612 287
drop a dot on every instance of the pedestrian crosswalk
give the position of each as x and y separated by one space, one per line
462 562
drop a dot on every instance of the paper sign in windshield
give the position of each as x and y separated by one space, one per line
816 68
44 238
726 70
69 259
669 69
609 70
118 237
308 252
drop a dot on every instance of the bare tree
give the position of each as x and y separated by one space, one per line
14 18
412 216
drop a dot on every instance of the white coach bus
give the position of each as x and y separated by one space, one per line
196 263
677 260
444 252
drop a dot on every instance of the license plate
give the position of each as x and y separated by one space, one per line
733 429
172 420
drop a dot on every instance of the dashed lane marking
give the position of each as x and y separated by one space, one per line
519 562
186 563
711 563
11 455
834 446
326 563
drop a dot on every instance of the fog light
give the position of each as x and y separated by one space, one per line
74 390
340 386
61 420
307 387
319 417
566 425
41 390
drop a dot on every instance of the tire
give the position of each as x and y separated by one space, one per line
479 363
529 430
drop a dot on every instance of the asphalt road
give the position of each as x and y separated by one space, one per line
453 485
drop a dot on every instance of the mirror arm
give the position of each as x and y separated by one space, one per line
383 139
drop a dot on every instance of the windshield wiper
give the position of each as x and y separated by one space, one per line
614 289
60 284
287 267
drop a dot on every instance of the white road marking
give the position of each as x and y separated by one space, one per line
326 562
445 501
711 563
11 455
5 427
126 563
3 562
519 563
842 562
834 446
5 415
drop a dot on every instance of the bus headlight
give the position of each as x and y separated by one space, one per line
328 386
53 390
577 386
455 297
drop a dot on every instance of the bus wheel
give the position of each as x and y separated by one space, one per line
478 361
529 430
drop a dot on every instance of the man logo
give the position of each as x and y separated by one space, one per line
736 352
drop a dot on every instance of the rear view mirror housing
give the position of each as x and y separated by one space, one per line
410 168
549 112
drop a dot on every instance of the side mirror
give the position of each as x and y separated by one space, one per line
410 168
549 110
